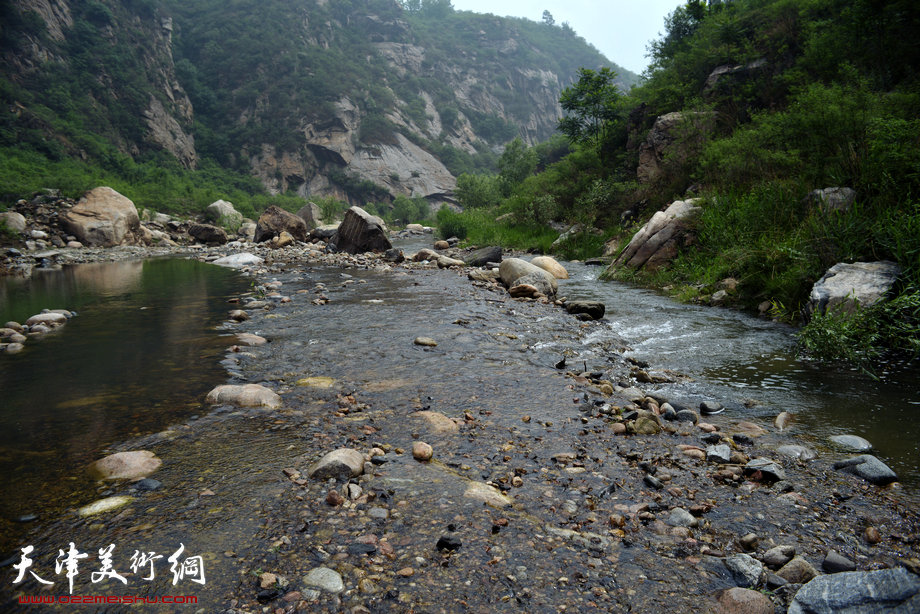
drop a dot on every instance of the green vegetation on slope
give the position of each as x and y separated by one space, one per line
816 94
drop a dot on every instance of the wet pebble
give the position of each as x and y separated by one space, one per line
448 543
836 563
324 579
421 451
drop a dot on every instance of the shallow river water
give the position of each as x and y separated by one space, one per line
95 384
751 365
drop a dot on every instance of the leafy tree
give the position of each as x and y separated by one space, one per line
478 190
590 104
548 18
437 8
518 162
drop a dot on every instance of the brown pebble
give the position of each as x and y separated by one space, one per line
334 498
618 428
406 572
872 535
421 451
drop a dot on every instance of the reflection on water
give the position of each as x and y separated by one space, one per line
140 355
750 365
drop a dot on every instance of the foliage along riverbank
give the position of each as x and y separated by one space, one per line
751 105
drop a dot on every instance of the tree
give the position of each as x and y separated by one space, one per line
548 18
413 6
518 162
590 105
437 8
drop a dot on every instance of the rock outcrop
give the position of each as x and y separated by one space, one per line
846 285
659 241
855 592
104 218
361 232
833 199
671 135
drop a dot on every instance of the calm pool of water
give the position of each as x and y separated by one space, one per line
140 355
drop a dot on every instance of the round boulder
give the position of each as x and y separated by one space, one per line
551 266
341 464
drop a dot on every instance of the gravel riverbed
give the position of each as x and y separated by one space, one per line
544 487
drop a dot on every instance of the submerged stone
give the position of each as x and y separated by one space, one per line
125 466
104 505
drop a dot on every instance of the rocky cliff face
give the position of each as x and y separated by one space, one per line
136 41
339 97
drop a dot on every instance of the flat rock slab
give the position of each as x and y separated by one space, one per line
132 465
246 395
868 468
437 423
844 285
317 381
250 339
324 579
341 464
238 261
887 590
478 491
104 505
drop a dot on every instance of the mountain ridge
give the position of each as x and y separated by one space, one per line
356 100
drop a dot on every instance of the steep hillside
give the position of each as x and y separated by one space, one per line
364 101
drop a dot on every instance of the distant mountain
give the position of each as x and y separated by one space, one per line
362 100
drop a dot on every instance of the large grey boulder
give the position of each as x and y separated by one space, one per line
103 218
659 240
893 591
207 234
513 270
276 220
483 256
13 221
311 215
833 199
669 137
868 468
846 285
223 213
361 232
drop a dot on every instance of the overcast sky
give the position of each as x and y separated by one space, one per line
620 29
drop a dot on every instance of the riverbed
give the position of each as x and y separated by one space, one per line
583 528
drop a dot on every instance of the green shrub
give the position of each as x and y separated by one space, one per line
451 224
861 338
